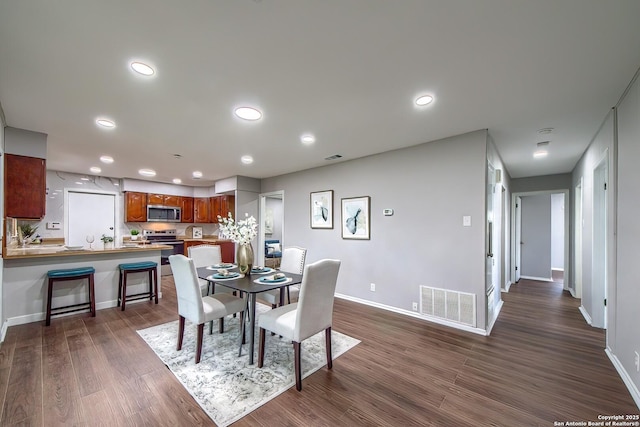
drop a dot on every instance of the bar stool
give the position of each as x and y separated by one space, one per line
71 274
137 267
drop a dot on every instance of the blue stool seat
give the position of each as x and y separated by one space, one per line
79 273
71 272
137 267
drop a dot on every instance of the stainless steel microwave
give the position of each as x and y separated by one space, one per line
157 213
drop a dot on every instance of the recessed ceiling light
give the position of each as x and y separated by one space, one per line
95 169
84 178
177 181
106 123
106 159
248 113
78 182
116 184
147 172
142 68
545 131
308 139
247 160
196 174
424 100
540 154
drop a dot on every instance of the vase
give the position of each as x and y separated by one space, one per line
244 257
108 245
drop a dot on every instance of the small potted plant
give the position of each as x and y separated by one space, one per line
134 234
25 232
108 241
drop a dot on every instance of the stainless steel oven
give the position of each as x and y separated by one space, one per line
165 237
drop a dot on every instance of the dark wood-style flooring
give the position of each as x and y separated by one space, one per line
542 363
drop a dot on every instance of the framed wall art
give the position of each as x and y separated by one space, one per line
322 209
356 218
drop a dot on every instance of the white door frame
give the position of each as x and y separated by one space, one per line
263 216
516 232
599 254
578 224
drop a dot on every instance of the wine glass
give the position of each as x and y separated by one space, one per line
90 239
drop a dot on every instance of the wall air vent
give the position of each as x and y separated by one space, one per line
543 143
334 157
449 305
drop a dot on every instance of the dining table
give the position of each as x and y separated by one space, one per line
249 285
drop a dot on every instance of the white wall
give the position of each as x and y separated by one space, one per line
430 187
3 227
624 316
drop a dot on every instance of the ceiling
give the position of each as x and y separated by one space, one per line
346 71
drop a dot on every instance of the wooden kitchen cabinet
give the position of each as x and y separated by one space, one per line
187 209
163 200
201 210
135 207
25 180
222 205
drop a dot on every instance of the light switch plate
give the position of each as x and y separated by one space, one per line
466 221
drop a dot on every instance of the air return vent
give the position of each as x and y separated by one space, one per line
334 157
448 305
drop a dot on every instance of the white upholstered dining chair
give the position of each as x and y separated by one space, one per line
196 308
312 313
293 259
204 256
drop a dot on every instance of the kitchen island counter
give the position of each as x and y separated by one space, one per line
39 251
24 290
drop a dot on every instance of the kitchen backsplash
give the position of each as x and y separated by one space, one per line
58 181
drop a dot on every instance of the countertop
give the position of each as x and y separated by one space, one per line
40 251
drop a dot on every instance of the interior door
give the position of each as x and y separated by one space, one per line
599 255
517 240
89 214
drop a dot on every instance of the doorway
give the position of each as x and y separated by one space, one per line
534 243
578 223
271 225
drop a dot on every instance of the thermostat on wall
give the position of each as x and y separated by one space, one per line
53 226
387 212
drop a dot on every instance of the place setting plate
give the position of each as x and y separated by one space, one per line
74 248
226 265
271 280
262 270
230 276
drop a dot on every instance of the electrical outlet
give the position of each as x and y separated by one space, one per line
414 306
637 361
373 287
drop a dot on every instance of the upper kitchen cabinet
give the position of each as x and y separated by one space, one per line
187 209
163 200
201 210
135 206
25 187
222 205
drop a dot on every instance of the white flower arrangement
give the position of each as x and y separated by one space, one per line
241 232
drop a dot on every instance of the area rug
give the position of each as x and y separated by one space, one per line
225 385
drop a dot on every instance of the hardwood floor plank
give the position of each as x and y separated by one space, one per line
61 398
23 401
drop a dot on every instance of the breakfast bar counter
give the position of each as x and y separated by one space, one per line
24 291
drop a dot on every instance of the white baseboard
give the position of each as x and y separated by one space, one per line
626 378
557 269
413 314
585 315
39 317
540 279
507 286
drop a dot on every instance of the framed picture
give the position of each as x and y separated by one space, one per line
322 209
356 218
